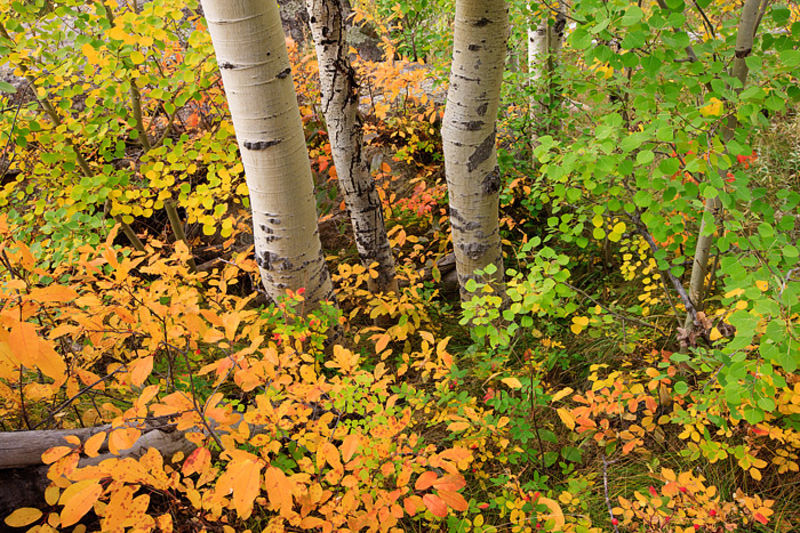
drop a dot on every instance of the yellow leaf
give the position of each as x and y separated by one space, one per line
23 517
562 393
458 426
578 324
762 285
513 383
566 418
713 108
77 499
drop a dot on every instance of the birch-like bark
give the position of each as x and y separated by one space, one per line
468 136
251 53
744 46
544 46
340 106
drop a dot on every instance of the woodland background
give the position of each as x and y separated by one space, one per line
147 382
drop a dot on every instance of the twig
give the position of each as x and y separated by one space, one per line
641 229
605 492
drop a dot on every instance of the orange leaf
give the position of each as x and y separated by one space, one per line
404 476
435 504
350 446
412 504
454 500
23 516
141 370
244 477
198 461
329 453
53 293
54 454
92 445
77 499
121 439
32 351
383 340
450 482
279 489
425 480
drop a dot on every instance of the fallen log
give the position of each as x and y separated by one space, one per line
23 476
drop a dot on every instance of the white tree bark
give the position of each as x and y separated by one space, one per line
468 136
340 105
544 46
251 51
748 24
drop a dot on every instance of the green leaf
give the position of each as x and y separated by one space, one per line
633 15
790 58
7 87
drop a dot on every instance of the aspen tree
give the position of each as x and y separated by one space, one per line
748 24
251 52
468 136
340 106
544 45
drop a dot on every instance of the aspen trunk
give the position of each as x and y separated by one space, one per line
544 45
251 52
744 45
468 136
340 105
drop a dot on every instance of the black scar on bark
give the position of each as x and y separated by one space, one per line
460 223
266 260
491 183
482 22
482 152
474 125
474 250
483 108
474 47
743 53
285 72
225 65
260 145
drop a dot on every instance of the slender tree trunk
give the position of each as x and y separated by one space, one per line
744 45
544 45
251 52
340 106
468 136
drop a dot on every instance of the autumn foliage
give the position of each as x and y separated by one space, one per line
577 401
